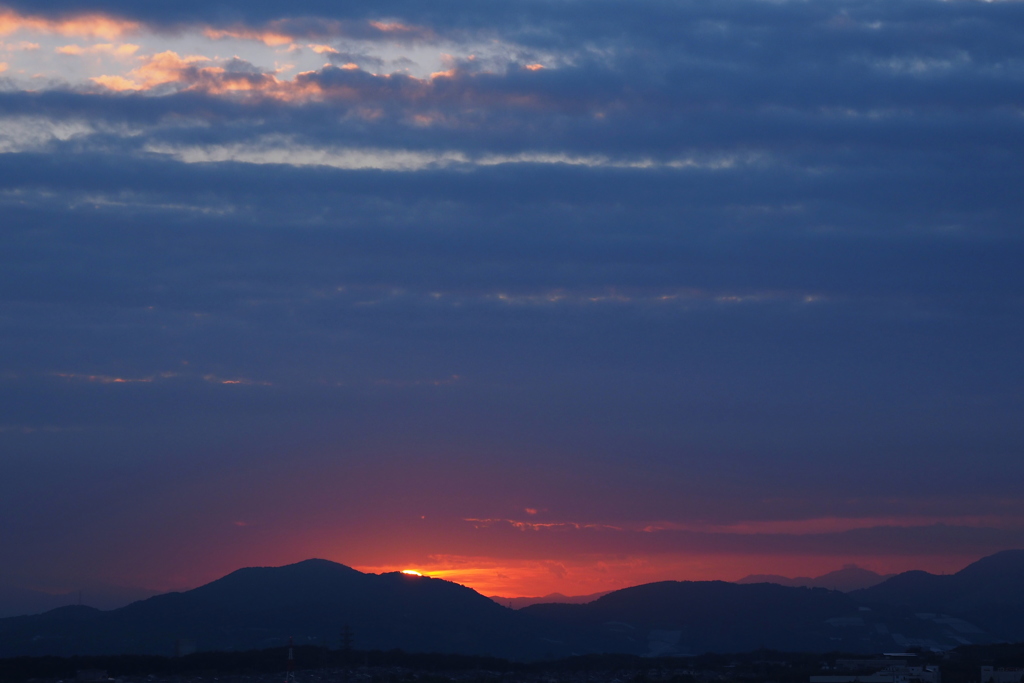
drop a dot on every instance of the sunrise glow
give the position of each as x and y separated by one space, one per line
535 298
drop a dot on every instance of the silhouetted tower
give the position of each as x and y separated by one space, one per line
346 641
346 651
290 676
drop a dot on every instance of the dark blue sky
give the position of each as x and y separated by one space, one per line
551 295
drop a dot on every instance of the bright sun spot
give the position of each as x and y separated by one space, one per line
411 572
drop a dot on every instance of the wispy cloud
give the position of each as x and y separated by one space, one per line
116 50
104 379
538 526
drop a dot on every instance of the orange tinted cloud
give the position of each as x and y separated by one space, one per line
422 102
191 73
122 50
116 83
270 38
165 67
395 28
283 32
322 49
85 25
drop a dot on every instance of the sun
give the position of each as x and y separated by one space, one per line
411 572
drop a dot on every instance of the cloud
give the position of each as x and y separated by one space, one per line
289 31
266 37
169 68
20 46
790 96
362 59
122 50
102 379
509 539
83 24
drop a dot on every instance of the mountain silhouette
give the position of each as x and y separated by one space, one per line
988 593
849 578
312 601
263 607
15 600
519 603
692 617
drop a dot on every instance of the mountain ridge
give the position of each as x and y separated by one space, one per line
849 578
519 603
311 601
989 592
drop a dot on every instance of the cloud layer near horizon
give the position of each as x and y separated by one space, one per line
679 277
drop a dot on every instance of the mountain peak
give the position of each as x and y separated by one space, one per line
851 577
1004 564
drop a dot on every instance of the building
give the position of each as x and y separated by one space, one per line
991 675
894 673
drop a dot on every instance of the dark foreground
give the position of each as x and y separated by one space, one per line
323 665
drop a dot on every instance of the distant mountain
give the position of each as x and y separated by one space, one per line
849 578
519 603
678 618
15 601
18 601
263 607
988 594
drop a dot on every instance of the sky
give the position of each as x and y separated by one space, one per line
533 295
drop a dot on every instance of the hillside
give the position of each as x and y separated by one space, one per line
684 617
263 607
988 594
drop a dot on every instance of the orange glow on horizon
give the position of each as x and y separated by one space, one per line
586 576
